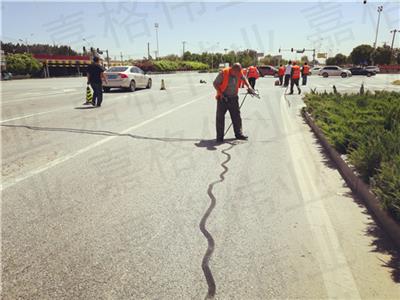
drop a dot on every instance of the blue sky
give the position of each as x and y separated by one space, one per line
205 26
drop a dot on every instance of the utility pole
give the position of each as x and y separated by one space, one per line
148 50
108 59
380 9
183 48
394 31
158 49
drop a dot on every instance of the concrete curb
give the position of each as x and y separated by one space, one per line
359 188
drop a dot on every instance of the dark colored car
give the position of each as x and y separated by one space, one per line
267 70
362 71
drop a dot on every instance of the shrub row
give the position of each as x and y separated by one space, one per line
365 127
170 65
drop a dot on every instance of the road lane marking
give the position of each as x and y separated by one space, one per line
68 108
8 183
40 97
332 262
31 115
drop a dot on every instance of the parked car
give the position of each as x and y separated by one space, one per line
361 71
315 70
334 71
373 69
127 77
267 70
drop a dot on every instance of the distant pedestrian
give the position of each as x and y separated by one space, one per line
295 77
281 73
253 75
288 72
95 77
305 71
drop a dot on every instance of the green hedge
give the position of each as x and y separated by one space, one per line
170 65
366 127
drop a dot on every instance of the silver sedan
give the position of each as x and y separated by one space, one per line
127 77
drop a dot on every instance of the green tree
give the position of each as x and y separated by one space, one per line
361 55
22 64
382 55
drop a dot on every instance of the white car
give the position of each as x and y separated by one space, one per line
315 70
373 69
127 77
334 71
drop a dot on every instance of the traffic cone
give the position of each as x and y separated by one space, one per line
162 85
89 95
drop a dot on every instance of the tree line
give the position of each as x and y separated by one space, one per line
18 48
366 55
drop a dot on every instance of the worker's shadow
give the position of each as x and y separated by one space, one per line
212 144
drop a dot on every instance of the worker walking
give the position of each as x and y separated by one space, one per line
305 71
96 77
288 72
295 77
281 73
227 85
253 75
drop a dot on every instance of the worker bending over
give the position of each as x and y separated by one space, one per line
253 75
227 85
295 77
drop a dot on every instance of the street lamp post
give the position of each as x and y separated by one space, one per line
26 44
183 48
158 50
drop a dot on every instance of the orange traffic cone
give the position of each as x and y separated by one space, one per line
162 85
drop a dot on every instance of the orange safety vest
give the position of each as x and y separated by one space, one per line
296 72
225 80
281 71
253 72
306 70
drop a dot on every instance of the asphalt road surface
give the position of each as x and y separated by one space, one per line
134 200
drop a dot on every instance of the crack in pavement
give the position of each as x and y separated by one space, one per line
211 244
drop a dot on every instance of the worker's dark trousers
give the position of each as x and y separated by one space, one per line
287 78
252 82
97 93
294 82
280 79
304 79
231 104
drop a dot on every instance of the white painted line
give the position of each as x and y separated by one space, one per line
331 258
8 183
31 115
40 97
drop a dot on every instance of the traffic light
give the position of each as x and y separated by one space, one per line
279 50
292 49
84 49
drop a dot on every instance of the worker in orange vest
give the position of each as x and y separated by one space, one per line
227 85
295 77
253 75
244 72
281 73
305 71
